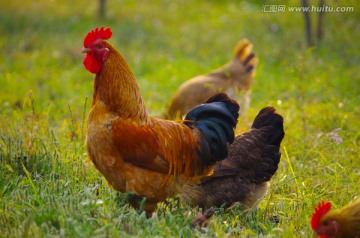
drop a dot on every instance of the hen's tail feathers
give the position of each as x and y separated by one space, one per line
267 117
216 119
243 52
272 124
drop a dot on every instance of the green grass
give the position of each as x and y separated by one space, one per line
47 190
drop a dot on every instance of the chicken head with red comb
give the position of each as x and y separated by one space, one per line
319 212
96 49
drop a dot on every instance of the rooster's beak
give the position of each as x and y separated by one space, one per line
85 50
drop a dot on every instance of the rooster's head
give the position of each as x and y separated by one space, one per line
95 49
322 225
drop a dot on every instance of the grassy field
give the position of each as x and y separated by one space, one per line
48 191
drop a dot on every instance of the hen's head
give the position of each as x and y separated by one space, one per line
324 227
95 49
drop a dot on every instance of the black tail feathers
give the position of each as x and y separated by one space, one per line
230 104
216 119
272 124
267 117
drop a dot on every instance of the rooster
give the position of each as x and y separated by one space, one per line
341 223
234 78
245 174
148 157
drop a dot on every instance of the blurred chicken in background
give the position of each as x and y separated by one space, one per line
234 78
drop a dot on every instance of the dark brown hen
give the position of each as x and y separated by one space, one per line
245 174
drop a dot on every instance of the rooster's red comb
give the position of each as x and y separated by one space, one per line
97 34
319 212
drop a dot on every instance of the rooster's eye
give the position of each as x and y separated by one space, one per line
99 46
